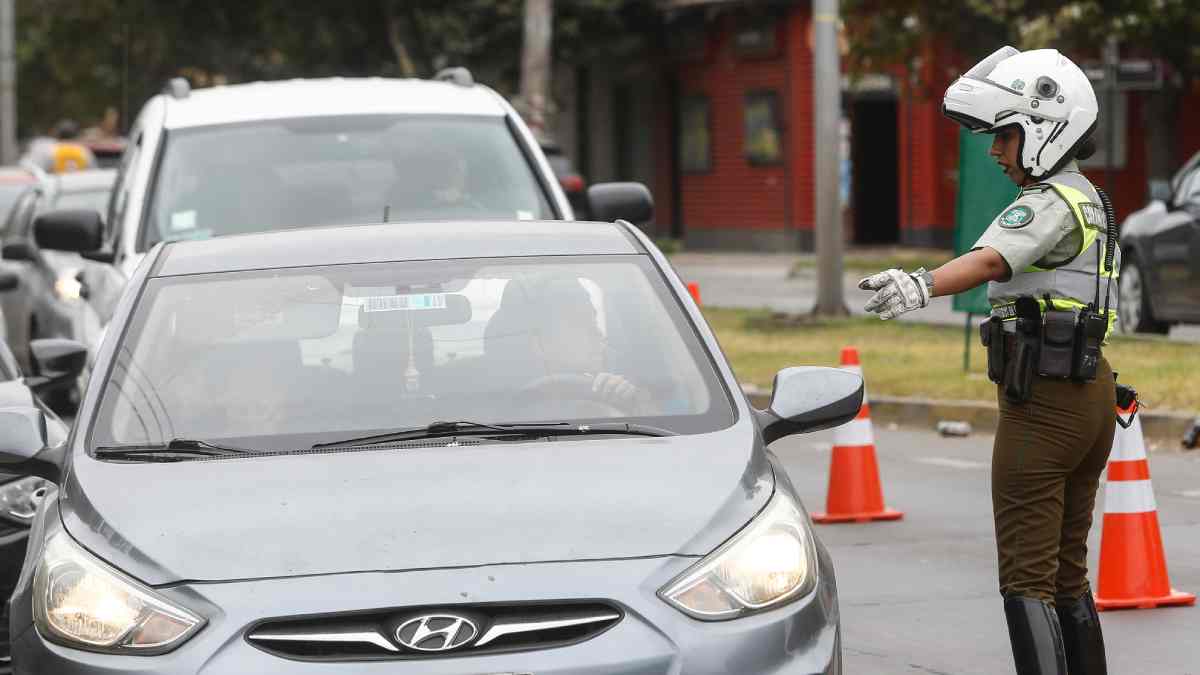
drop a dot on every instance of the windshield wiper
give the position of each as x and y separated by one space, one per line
443 429
174 450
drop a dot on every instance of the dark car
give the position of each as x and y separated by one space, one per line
20 493
486 447
1160 244
51 298
569 178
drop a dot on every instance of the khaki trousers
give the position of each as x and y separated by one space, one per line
1046 466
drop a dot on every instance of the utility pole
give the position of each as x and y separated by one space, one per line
8 83
1112 57
535 63
827 112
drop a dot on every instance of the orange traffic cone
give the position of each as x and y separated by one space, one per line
694 289
1133 570
854 491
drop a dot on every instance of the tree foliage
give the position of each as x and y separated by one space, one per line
885 32
77 58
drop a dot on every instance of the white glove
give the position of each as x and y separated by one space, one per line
896 292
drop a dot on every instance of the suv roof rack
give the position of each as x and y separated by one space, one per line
456 75
178 88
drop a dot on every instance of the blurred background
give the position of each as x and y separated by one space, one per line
708 102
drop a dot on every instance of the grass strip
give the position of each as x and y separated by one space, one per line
905 359
868 261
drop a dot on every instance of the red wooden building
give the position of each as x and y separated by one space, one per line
718 122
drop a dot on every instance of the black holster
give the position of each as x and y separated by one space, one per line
1024 362
991 334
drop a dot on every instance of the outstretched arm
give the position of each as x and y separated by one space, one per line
969 270
897 291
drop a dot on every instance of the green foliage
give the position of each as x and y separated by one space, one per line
885 32
77 58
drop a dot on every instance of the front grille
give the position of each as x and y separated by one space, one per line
433 632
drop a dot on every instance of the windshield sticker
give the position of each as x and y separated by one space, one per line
183 220
401 303
524 215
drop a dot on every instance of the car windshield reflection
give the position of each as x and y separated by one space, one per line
284 359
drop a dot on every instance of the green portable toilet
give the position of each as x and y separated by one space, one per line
983 191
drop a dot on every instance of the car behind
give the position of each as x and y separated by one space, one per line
1160 277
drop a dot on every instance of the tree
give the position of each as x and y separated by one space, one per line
886 33
76 58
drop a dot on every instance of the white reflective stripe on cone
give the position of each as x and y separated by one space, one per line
1128 444
1129 496
855 432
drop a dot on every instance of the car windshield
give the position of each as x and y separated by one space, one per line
301 172
282 359
92 200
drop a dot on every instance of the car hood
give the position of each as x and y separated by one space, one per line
404 509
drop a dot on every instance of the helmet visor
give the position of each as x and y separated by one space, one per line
981 70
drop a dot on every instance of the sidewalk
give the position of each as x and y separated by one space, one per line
761 280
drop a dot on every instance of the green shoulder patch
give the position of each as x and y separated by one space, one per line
1016 217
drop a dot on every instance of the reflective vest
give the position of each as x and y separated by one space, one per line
1070 284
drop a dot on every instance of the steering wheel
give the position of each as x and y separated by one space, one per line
570 387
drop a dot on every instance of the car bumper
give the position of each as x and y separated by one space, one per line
801 637
12 555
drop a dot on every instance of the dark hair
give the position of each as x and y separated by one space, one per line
1086 149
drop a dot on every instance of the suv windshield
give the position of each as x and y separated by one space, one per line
301 172
283 359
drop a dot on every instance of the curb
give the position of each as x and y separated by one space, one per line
1166 428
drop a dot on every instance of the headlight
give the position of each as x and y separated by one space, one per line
19 499
771 561
67 286
82 602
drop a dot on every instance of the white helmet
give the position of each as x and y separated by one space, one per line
1041 92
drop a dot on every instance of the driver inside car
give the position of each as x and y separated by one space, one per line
431 183
561 327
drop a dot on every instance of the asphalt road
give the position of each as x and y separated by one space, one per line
920 595
755 281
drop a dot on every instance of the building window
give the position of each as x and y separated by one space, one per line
695 147
763 140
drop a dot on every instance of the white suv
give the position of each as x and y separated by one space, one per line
303 153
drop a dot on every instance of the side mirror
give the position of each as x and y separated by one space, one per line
808 398
17 250
9 280
103 255
69 230
620 201
1160 190
23 444
57 362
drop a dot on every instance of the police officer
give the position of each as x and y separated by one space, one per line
1049 263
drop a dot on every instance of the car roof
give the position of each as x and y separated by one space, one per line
327 97
89 180
345 245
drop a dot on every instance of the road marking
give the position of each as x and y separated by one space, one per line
953 463
1195 494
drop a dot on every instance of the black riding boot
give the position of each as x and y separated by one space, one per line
1081 635
1037 641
